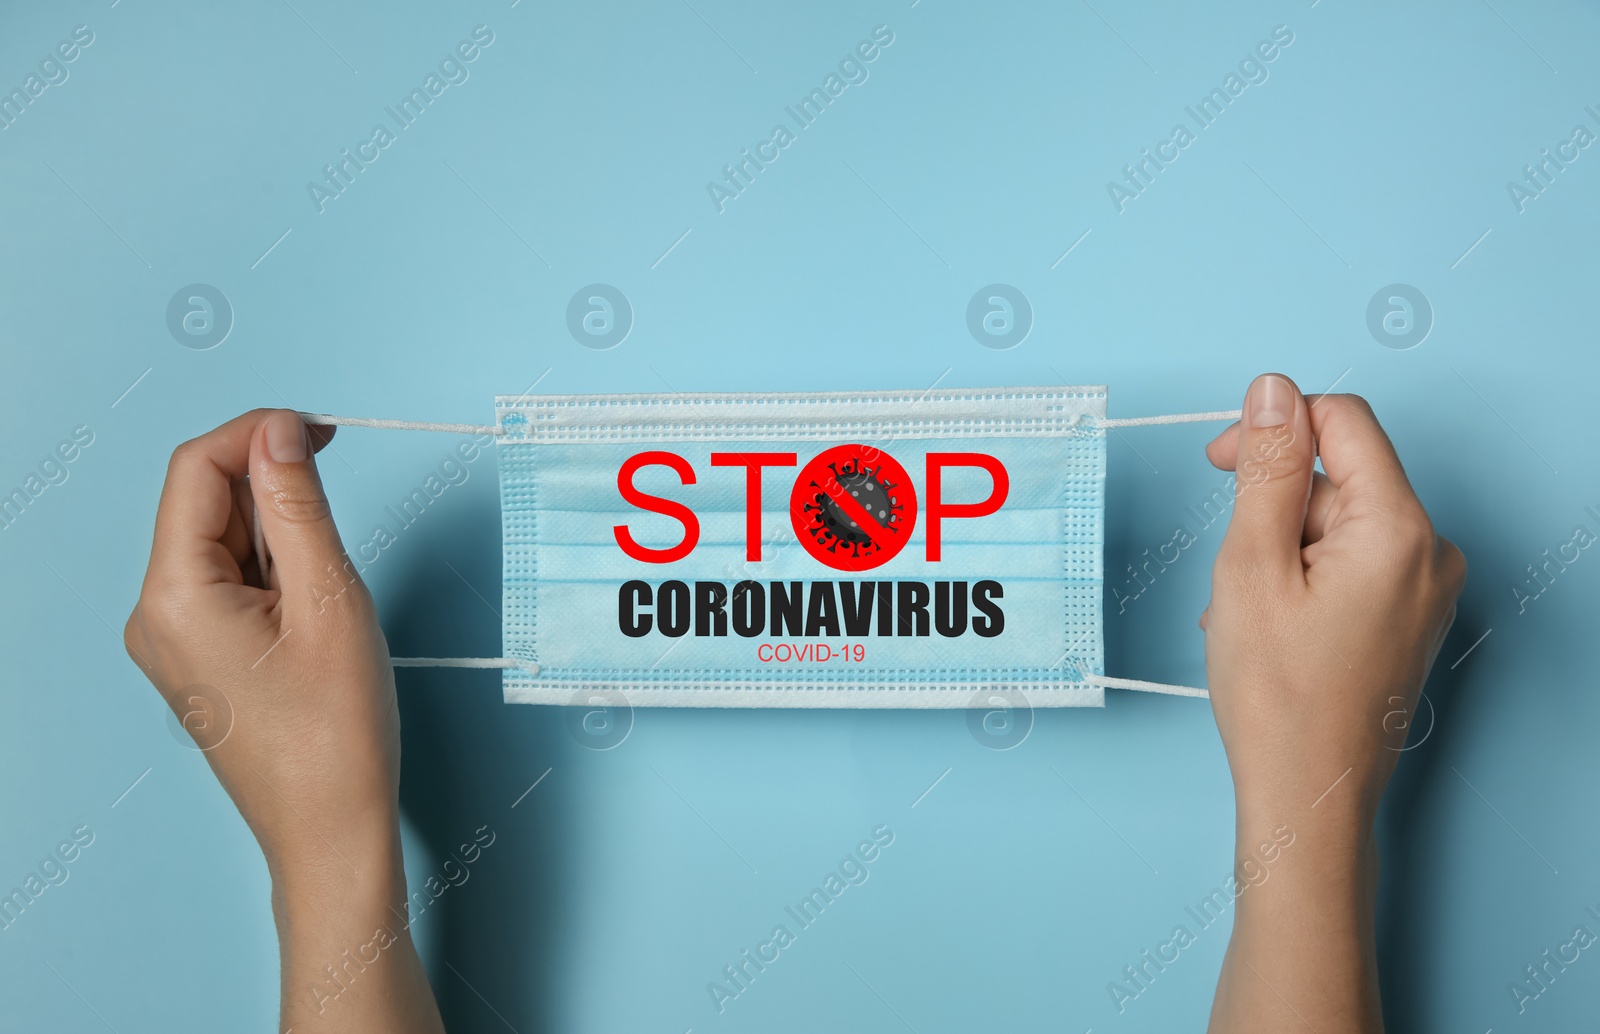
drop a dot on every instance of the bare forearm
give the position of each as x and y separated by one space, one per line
1303 952
244 547
1330 598
348 961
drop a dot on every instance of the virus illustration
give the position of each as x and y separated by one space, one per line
834 528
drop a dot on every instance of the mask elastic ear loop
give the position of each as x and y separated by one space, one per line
1172 418
533 669
1103 681
326 420
465 662
1106 682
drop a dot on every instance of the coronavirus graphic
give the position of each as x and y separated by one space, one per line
853 507
832 527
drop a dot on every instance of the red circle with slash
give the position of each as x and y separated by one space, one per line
853 507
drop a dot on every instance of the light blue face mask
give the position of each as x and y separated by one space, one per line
841 549
845 549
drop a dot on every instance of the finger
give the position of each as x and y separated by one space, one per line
308 560
321 435
249 548
1273 478
1355 451
197 532
1319 508
200 500
241 530
1223 450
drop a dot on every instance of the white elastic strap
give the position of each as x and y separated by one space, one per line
1103 681
463 662
325 419
1107 682
1173 418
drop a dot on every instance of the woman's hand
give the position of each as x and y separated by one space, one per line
312 755
255 627
1330 599
1331 596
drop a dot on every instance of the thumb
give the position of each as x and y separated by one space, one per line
307 558
1272 477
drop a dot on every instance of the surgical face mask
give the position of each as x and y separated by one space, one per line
846 549
838 549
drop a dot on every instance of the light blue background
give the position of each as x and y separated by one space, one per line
1378 151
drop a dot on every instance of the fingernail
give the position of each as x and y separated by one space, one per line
286 438
1269 402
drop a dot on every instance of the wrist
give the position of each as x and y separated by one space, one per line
353 868
1342 799
347 959
1343 826
1304 924
320 910
1323 858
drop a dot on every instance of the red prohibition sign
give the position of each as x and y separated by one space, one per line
853 507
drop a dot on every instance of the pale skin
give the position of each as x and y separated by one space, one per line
313 757
1330 598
